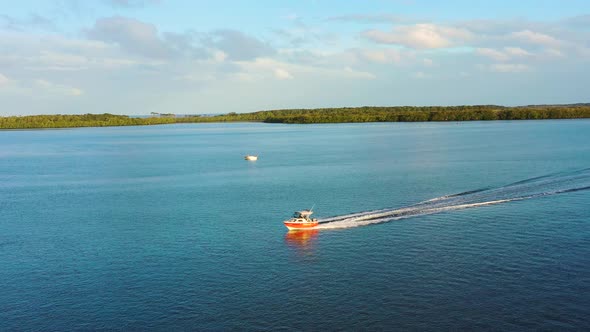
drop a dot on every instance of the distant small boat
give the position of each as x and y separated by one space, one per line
301 221
250 157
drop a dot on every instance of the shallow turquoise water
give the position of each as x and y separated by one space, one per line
168 227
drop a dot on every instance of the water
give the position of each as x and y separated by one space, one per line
467 225
537 187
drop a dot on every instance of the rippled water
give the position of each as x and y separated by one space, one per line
167 227
536 187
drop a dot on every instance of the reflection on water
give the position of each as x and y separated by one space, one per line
302 240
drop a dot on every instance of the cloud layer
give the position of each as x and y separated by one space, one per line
421 36
336 60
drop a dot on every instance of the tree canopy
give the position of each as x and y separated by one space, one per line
322 115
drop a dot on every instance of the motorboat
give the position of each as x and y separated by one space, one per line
301 221
251 157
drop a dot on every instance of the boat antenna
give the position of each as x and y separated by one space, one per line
311 210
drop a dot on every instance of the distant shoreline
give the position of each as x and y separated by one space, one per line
311 116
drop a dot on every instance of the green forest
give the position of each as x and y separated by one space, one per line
322 115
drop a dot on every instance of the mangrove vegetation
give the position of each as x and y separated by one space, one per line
322 115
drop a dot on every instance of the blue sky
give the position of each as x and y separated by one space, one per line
142 56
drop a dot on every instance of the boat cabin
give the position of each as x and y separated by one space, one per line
302 214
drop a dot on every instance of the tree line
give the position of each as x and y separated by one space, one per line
322 115
82 120
428 113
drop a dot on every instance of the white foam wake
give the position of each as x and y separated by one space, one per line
526 189
370 219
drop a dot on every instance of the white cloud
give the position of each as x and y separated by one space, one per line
4 80
553 53
493 54
238 45
219 56
517 51
382 56
144 39
60 61
509 68
421 36
259 70
130 61
58 89
420 75
130 34
505 54
52 53
282 74
349 72
536 38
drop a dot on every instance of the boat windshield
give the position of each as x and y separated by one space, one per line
297 215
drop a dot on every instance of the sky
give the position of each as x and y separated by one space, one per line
206 57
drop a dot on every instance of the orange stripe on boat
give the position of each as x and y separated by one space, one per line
301 225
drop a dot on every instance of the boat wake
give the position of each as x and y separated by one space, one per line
541 186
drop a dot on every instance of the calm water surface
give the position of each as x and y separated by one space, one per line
167 227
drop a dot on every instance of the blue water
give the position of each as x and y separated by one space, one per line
167 227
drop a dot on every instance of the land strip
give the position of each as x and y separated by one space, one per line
309 116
